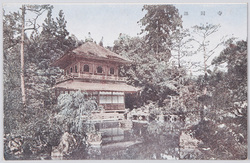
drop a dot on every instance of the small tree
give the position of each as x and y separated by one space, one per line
203 32
72 107
181 45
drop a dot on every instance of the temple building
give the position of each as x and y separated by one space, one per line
93 69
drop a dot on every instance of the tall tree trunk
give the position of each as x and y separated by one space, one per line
179 55
205 66
22 57
204 56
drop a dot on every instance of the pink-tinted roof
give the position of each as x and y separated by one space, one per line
94 50
86 86
89 50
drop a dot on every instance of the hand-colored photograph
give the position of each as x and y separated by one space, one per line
124 81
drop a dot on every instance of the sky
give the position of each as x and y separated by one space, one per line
231 17
109 20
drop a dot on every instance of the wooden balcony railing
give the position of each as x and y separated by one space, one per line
64 78
91 77
113 106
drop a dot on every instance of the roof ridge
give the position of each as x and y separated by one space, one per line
100 51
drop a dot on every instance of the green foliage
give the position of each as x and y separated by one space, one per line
11 29
223 140
236 58
159 23
11 73
150 54
234 82
158 79
36 120
39 76
72 107
225 129
181 46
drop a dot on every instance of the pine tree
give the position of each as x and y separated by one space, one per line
12 101
38 10
159 23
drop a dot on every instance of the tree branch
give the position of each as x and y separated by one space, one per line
33 22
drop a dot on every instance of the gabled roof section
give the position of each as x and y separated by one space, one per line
90 50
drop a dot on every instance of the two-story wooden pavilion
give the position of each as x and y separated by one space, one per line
94 69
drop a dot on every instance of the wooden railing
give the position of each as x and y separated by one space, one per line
64 78
91 76
113 106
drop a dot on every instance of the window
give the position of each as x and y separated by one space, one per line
112 71
99 69
111 98
120 72
86 68
120 99
102 99
71 69
115 99
75 68
107 99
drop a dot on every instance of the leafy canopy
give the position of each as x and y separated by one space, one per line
159 23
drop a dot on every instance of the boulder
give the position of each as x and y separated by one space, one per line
65 147
94 139
15 145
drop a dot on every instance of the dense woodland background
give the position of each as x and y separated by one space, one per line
214 103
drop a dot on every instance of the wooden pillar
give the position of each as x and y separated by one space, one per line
112 133
98 98
112 95
123 99
79 69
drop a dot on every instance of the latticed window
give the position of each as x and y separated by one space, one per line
86 68
99 69
75 68
111 98
112 70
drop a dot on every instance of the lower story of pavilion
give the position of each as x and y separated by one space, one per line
109 96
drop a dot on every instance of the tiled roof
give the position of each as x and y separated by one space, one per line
89 50
94 50
86 86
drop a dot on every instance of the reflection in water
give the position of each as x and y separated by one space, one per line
137 143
